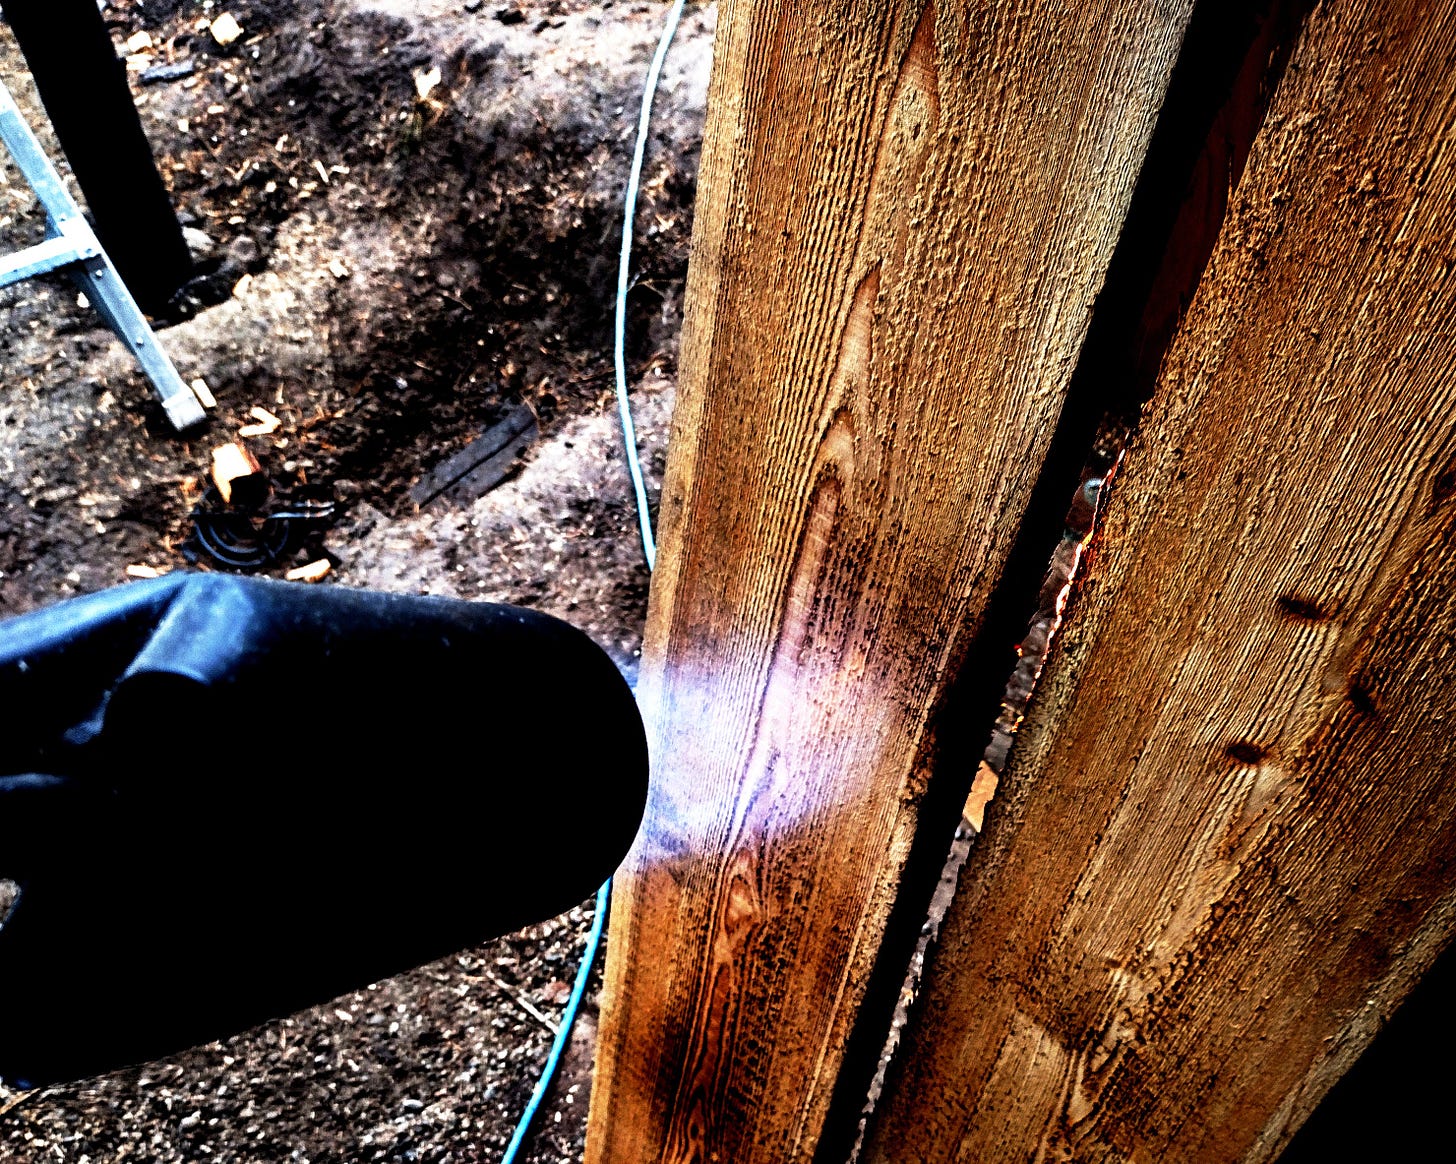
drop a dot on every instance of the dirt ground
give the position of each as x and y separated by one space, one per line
386 262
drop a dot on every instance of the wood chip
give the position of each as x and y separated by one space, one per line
523 1002
21 1097
313 572
231 463
140 571
426 80
267 424
139 42
226 29
983 791
337 269
240 288
203 393
264 417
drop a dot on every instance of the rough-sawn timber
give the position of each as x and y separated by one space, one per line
905 213
1228 844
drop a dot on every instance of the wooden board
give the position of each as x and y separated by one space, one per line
483 463
1226 843
905 213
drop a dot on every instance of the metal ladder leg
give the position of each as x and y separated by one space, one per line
72 244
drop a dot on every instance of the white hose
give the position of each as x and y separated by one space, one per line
624 270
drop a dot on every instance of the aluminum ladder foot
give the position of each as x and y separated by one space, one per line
71 244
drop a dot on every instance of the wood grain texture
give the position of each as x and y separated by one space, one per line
1227 839
905 213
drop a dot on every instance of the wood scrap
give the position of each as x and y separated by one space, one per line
225 29
175 71
483 463
266 426
983 791
232 463
313 572
523 1002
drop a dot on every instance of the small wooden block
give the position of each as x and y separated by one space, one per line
203 393
313 572
226 29
231 463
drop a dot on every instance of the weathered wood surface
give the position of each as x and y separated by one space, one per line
905 213
483 463
1227 839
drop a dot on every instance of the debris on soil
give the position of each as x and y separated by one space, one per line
267 424
232 463
203 393
259 529
313 572
158 74
225 29
481 464
389 275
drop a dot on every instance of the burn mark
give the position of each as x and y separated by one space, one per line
1245 752
1362 698
1444 487
1293 606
